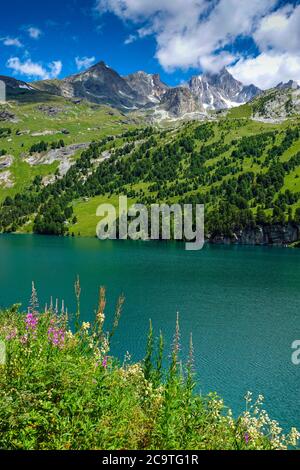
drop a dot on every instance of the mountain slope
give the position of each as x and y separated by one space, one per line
246 173
278 103
20 91
99 84
32 131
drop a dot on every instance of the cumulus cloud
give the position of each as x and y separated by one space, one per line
84 62
34 32
280 31
267 69
198 33
189 31
8 41
278 38
35 70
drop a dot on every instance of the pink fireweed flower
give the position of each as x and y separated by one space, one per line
247 438
104 362
56 337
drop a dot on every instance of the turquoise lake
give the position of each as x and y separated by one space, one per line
241 303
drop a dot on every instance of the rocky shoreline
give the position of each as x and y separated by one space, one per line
276 234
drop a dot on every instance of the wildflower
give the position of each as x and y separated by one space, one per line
117 316
24 339
294 436
104 362
31 322
101 307
176 347
105 346
12 334
86 326
191 359
246 438
34 303
69 335
56 337
77 293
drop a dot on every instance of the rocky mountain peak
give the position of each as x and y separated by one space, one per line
149 87
290 84
103 85
220 90
179 101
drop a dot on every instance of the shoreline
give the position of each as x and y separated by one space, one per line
208 242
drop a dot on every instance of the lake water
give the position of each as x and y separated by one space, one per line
241 303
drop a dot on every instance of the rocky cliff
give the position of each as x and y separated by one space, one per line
278 235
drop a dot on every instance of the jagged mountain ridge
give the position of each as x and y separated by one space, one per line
99 84
148 86
103 85
220 91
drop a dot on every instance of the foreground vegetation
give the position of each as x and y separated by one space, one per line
61 389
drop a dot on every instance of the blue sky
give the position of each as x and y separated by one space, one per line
259 40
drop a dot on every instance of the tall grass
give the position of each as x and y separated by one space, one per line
61 389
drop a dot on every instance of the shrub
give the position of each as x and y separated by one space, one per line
61 389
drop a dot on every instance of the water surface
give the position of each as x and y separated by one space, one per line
241 303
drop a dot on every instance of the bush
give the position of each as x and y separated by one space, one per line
61 389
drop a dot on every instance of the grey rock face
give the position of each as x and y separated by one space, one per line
101 84
277 104
290 84
221 91
179 101
149 87
279 235
6 161
7 116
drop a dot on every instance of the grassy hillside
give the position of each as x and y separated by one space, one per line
26 124
219 169
246 172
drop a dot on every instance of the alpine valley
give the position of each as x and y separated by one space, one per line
68 145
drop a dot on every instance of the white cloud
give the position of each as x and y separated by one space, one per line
34 32
267 70
214 63
280 31
8 41
189 32
84 62
55 68
278 38
34 70
196 33
131 38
